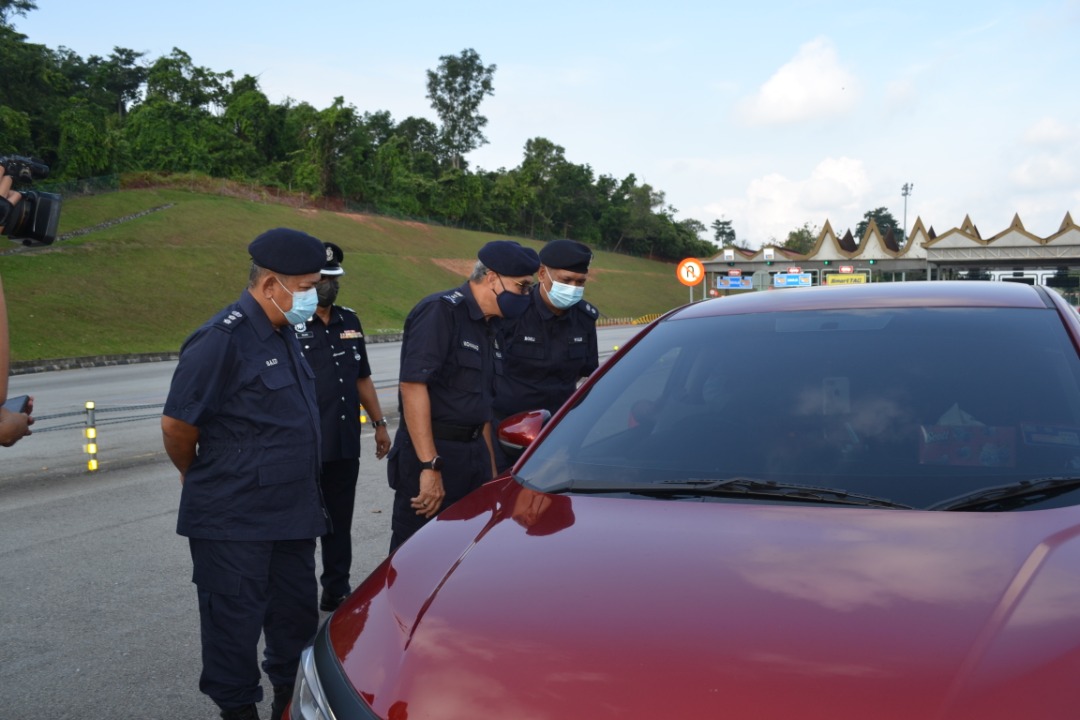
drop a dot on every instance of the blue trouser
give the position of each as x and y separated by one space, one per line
338 480
246 589
466 466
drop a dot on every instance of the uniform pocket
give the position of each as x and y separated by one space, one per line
530 351
215 579
277 377
470 370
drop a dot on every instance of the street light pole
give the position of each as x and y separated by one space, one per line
905 191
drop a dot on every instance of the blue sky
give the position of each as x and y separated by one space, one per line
769 114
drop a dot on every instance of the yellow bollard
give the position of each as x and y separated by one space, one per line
91 435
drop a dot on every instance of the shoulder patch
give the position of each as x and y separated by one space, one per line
589 309
454 298
348 309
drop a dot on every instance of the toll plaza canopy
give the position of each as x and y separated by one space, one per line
962 252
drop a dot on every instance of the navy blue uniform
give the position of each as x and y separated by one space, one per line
448 345
250 504
338 355
545 356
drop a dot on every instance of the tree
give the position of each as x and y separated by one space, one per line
456 90
11 8
723 233
120 77
884 220
802 239
541 163
176 79
84 142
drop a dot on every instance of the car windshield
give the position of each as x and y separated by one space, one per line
912 405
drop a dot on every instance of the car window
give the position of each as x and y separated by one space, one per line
915 405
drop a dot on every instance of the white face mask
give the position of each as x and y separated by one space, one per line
565 296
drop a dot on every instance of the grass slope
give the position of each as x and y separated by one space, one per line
144 284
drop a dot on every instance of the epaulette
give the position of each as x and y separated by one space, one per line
454 298
348 309
230 320
589 309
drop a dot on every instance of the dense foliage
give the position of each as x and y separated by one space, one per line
101 116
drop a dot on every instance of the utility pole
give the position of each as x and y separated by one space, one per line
905 191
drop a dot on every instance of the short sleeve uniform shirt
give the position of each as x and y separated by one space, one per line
248 390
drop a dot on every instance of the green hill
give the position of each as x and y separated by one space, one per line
141 284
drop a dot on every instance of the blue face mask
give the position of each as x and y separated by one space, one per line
303 307
565 296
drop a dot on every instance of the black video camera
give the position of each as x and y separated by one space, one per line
34 218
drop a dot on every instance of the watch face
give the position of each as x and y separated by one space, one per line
436 463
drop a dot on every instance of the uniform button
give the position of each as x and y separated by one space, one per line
342 417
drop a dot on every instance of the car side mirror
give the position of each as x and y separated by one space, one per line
518 432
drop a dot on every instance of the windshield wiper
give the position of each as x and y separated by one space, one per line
1031 490
739 486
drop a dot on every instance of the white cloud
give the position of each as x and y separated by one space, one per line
1048 131
775 205
1053 165
1044 172
811 86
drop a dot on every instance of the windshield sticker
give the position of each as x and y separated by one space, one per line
1055 435
974 445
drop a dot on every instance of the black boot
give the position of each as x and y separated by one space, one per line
282 696
247 712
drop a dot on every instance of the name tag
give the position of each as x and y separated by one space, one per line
470 345
271 363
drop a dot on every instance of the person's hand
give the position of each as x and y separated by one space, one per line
8 199
15 426
382 442
428 502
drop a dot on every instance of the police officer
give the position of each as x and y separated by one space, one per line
552 345
449 358
333 344
241 425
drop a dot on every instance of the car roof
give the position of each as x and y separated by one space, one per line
936 293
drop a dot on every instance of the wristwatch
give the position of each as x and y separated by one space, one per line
434 463
378 423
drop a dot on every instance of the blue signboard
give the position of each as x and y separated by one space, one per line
792 280
735 283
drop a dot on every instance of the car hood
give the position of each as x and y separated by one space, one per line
518 604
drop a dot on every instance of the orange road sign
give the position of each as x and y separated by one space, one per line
690 272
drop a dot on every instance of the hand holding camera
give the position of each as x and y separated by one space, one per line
29 216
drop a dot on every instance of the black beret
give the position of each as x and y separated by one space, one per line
334 256
566 255
289 252
507 257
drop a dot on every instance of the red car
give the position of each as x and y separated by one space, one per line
846 503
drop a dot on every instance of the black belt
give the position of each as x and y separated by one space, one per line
458 433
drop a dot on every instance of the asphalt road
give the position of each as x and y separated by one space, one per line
98 616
